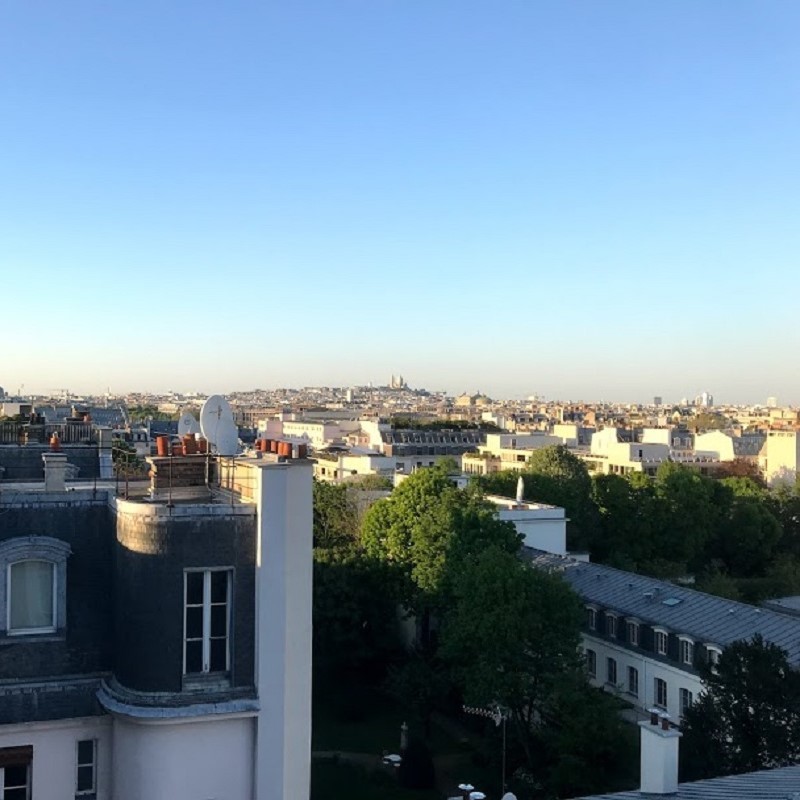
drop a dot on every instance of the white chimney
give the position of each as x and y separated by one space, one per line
55 471
659 762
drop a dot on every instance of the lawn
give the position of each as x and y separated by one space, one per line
340 781
368 722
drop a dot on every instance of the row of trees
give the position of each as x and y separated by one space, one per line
732 535
490 630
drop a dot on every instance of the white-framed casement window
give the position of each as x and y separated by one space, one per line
633 633
611 625
15 773
86 777
591 618
33 591
633 681
206 620
660 692
591 663
687 651
712 654
611 671
660 641
686 700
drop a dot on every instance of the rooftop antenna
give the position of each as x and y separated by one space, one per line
216 422
187 424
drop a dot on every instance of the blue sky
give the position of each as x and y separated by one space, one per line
577 198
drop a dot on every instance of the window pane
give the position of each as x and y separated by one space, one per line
194 588
15 776
219 620
85 779
31 595
194 622
219 650
219 587
86 751
16 794
194 656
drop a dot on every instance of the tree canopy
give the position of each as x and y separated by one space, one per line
748 716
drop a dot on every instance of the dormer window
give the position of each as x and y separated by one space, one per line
687 650
660 640
713 653
591 618
611 625
633 633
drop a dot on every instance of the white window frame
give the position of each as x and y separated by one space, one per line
656 683
633 632
611 667
206 634
657 634
612 625
686 650
27 786
92 764
633 671
34 548
685 694
713 654
591 662
591 617
54 599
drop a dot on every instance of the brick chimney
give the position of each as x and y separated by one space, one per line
659 761
55 472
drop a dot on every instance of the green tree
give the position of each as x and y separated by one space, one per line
748 715
335 515
555 475
510 638
356 628
427 527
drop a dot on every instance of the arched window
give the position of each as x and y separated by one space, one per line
33 586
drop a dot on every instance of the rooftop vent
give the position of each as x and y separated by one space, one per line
671 601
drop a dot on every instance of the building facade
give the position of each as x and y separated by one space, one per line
159 645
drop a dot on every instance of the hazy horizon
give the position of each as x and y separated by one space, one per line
564 198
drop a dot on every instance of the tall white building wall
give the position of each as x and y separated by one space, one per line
211 759
55 750
283 631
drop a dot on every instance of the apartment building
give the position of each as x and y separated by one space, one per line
645 639
157 646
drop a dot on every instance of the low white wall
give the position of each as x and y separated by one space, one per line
200 760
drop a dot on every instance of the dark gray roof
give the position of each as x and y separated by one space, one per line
748 444
704 617
771 784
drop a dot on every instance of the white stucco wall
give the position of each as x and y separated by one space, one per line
782 457
649 670
55 748
283 631
197 760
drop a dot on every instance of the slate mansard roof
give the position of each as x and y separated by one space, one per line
704 617
771 784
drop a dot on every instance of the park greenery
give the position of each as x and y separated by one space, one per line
421 598
729 536
482 629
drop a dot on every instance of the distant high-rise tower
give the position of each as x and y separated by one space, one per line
657 400
772 401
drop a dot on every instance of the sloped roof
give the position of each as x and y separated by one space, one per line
771 784
704 617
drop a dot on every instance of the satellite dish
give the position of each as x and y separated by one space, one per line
216 422
187 424
509 796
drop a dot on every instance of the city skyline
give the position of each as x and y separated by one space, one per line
558 198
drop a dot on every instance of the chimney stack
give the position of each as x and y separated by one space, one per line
659 761
55 472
